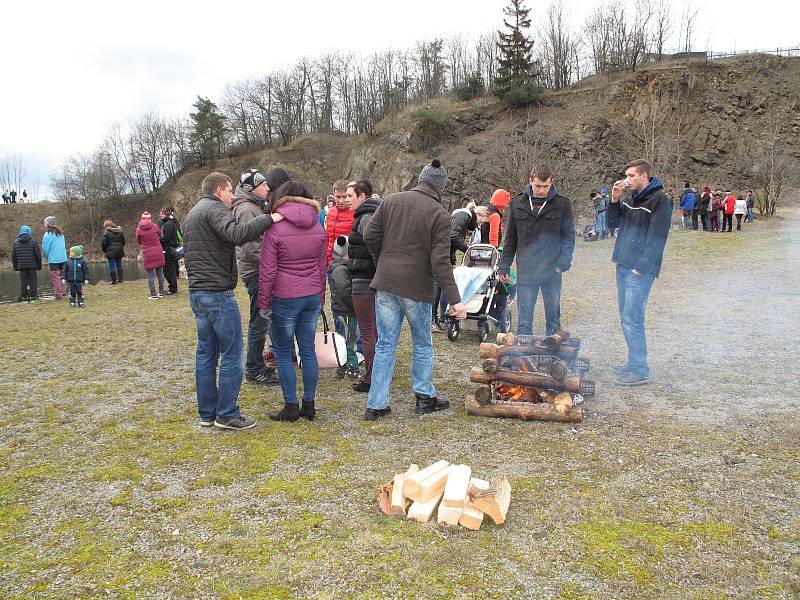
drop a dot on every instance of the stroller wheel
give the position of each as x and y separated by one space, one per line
505 321
483 331
453 331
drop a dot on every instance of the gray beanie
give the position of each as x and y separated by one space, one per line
434 174
50 221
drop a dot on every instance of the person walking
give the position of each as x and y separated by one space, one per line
55 251
171 239
112 243
541 234
148 236
26 258
211 235
643 213
409 237
740 210
705 207
292 272
728 206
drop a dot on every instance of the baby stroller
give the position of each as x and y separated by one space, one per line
590 234
480 288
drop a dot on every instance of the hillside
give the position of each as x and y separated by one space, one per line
696 121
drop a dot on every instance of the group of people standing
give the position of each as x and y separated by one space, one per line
162 246
714 211
10 197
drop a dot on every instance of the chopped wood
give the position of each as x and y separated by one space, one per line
385 498
487 350
572 384
423 511
494 500
412 481
432 486
472 516
455 490
527 411
449 515
400 501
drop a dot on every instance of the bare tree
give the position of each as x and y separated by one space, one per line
662 26
12 171
771 165
687 26
560 48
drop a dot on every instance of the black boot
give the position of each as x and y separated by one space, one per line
119 276
428 405
113 279
289 412
308 411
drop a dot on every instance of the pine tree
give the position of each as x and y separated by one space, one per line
208 133
516 76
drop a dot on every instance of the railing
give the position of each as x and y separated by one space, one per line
776 52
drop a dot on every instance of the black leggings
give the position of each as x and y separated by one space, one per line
27 284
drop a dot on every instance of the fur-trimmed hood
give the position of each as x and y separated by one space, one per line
299 211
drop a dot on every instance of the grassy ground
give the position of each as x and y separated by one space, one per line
687 488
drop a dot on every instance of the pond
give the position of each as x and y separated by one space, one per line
98 271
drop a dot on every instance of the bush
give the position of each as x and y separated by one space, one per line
471 88
520 95
430 126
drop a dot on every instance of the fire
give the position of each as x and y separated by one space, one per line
516 393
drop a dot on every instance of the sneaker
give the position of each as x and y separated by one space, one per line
361 386
630 379
153 297
240 422
206 422
619 369
72 303
160 294
265 377
81 304
360 357
373 414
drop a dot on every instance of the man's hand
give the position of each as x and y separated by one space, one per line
459 311
277 217
505 278
617 190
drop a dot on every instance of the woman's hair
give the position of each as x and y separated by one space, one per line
54 229
108 223
482 211
291 188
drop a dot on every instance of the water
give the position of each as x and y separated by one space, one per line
9 279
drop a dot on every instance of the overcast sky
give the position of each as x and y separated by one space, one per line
71 70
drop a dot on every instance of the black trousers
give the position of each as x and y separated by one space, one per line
27 284
171 272
727 220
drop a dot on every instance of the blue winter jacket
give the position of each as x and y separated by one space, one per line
76 270
54 247
688 200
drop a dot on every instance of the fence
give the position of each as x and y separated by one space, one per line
776 52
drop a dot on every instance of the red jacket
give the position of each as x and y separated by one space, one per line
149 237
729 204
339 222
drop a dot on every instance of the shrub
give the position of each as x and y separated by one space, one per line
520 94
471 88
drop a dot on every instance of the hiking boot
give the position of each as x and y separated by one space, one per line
630 379
373 414
620 369
289 412
308 410
265 377
361 386
240 422
428 405
206 422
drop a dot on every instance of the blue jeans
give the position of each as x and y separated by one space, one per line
750 214
600 225
296 318
114 265
257 331
551 297
347 327
632 293
389 313
219 336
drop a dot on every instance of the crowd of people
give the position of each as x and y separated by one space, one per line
714 211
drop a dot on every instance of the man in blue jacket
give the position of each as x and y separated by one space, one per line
642 212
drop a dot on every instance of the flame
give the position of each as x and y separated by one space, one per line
515 393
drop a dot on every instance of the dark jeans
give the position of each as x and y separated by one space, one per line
739 222
171 272
75 290
440 304
219 337
364 305
27 284
114 265
632 293
257 331
727 220
695 214
704 221
296 318
551 297
347 327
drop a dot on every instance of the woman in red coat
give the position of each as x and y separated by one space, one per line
149 237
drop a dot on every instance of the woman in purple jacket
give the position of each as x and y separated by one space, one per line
291 276
149 237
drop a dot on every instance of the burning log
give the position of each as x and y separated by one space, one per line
555 367
487 350
528 411
563 402
518 393
570 384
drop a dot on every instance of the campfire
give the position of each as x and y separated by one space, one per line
531 378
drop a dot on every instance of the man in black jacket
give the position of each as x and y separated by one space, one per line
211 235
541 234
170 241
643 216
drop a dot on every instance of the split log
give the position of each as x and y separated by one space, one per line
385 498
510 339
472 516
455 490
563 402
423 511
483 394
487 350
400 501
494 500
449 515
570 384
412 482
527 411
431 486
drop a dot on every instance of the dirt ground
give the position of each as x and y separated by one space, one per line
686 488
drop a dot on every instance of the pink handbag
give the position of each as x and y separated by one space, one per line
330 347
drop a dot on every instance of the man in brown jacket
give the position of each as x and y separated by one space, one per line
409 236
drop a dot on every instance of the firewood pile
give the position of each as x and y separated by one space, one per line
531 378
449 491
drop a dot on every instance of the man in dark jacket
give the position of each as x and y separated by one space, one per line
643 216
211 235
26 257
541 234
409 236
170 241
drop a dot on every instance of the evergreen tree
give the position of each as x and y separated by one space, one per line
208 132
516 76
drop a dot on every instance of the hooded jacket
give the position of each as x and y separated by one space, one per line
492 230
705 202
293 263
542 239
688 200
246 207
643 220
339 222
54 247
169 227
361 264
112 243
462 221
210 235
25 253
76 270
148 235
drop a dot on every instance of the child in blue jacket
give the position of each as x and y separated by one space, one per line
76 273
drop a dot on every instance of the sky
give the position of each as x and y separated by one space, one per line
71 70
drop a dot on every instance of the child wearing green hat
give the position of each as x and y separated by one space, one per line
76 273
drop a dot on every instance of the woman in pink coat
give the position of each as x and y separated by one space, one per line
149 237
